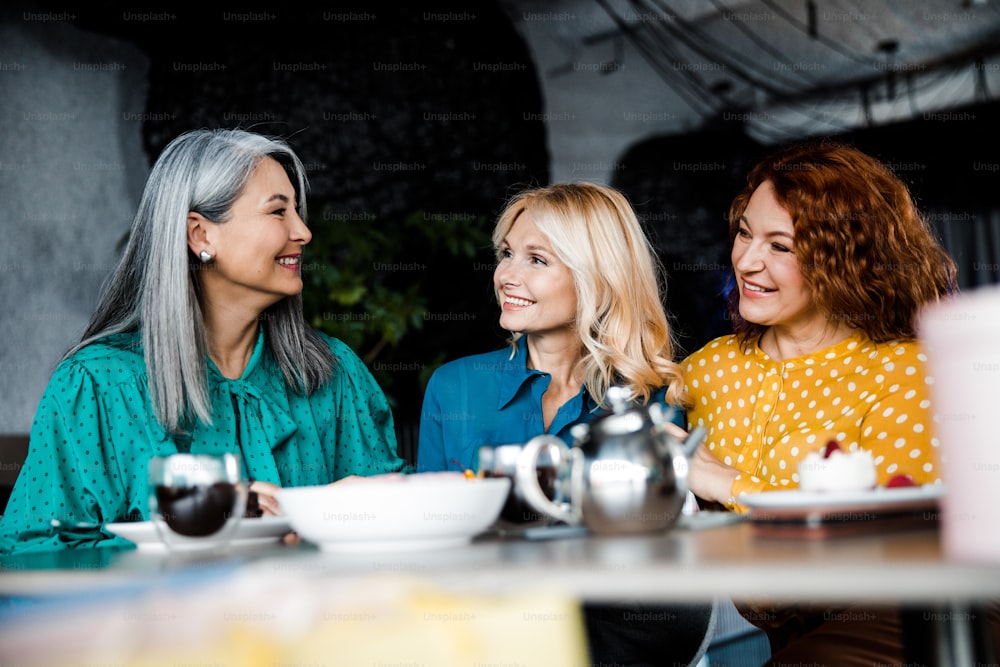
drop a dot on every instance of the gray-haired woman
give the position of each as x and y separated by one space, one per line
199 344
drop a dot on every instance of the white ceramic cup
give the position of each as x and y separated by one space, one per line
961 337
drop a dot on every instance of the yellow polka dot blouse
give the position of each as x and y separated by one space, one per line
763 416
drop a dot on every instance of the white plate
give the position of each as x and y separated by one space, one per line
818 500
249 532
395 512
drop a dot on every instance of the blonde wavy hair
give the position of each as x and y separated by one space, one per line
620 286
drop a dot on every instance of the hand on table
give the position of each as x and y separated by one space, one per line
709 478
267 499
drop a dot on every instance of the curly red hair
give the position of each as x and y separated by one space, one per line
866 253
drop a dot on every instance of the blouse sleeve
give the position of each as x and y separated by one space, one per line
897 428
430 444
71 482
363 428
747 483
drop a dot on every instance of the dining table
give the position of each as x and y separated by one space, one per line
101 595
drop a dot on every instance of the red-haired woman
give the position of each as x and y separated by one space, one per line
832 263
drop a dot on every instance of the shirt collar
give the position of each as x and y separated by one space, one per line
514 373
252 363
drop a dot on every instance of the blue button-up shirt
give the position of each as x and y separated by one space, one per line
493 399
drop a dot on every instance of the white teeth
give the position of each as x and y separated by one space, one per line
514 301
755 288
288 261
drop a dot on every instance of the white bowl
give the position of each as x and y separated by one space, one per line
394 512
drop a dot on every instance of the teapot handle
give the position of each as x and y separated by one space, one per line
695 438
526 478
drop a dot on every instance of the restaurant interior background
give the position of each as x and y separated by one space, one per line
416 123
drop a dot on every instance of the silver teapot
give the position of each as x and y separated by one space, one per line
626 473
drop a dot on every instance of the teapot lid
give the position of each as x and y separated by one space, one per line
618 398
625 417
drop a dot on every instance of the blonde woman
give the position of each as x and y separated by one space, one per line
581 291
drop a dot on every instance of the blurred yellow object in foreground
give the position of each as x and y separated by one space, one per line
264 619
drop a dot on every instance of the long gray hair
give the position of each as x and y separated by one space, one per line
154 289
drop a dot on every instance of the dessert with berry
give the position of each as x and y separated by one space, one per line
834 469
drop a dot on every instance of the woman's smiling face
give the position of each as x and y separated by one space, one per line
772 290
258 250
535 289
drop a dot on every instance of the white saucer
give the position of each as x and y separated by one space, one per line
879 497
249 532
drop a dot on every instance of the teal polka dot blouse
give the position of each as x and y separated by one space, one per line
94 432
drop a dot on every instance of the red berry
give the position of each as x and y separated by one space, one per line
897 481
830 448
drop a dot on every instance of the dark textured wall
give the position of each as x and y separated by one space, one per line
681 187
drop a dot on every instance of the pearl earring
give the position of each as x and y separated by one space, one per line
205 256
